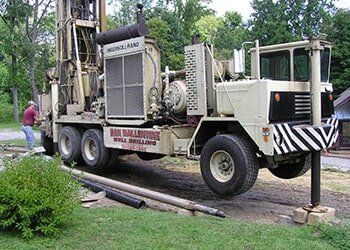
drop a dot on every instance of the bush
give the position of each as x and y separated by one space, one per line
6 109
36 196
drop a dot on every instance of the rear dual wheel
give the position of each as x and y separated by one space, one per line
68 139
90 147
47 143
96 156
292 170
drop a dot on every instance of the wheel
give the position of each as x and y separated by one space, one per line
149 156
229 165
113 159
95 154
68 138
292 170
47 143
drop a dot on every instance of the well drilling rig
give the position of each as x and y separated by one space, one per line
109 97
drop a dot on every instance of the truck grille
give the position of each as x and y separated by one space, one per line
302 104
295 106
124 86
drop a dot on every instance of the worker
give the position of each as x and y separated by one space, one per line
30 117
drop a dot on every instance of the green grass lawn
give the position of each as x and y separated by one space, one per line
15 126
10 125
17 142
123 228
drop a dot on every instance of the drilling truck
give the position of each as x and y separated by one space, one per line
109 97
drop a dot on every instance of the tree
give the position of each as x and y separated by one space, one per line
269 22
231 34
34 20
161 30
188 12
124 11
27 22
288 20
180 17
338 29
10 15
208 27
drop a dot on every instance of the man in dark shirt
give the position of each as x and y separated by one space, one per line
30 117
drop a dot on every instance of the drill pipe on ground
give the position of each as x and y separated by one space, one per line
112 194
169 199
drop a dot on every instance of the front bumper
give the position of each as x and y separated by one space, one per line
289 138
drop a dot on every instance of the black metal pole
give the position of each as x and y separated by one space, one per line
316 178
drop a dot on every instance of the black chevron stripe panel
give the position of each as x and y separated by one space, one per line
289 139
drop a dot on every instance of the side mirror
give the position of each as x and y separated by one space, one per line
238 59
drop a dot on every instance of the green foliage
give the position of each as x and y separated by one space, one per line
4 75
208 26
6 109
125 11
338 29
176 22
160 30
230 35
35 196
110 22
27 47
288 20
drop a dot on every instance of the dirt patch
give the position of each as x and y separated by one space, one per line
265 202
268 201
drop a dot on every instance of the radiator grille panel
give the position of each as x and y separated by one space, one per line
133 69
115 105
195 79
114 72
134 101
191 80
124 86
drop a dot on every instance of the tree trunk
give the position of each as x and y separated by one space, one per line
15 104
14 67
33 35
32 67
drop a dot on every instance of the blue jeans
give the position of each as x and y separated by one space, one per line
28 131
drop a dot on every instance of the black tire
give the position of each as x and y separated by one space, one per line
47 143
292 170
238 178
113 159
149 156
68 138
95 154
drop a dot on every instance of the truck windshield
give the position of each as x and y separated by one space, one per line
325 59
301 65
275 66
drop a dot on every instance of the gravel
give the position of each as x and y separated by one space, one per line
335 163
9 134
